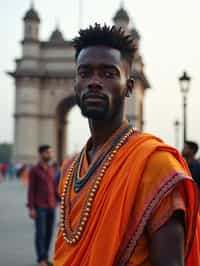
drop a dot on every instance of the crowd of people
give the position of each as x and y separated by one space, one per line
7 171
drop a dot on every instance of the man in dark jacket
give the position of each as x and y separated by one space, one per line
189 152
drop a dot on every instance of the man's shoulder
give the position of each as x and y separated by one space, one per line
144 138
163 159
156 154
196 165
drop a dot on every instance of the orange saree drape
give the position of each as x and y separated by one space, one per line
124 204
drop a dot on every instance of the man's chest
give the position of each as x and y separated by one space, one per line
45 177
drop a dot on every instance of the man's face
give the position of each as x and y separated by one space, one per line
47 155
101 82
187 152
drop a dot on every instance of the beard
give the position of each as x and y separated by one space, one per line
185 155
46 159
111 107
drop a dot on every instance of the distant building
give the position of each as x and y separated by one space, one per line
44 88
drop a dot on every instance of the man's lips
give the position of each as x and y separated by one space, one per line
94 97
95 101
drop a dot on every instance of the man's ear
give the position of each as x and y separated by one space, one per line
130 86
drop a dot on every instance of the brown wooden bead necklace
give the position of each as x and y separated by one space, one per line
72 237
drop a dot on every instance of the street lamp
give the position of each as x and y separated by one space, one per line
184 81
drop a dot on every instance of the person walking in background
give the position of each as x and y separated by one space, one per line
1 176
11 171
189 152
5 170
42 197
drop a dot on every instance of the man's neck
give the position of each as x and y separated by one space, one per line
102 130
44 164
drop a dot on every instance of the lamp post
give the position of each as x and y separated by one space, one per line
184 81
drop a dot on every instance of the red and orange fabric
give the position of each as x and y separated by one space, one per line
25 176
146 182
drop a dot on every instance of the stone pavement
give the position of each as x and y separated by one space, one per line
16 229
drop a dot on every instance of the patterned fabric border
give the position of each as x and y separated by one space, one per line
127 253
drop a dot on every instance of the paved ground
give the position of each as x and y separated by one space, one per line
16 229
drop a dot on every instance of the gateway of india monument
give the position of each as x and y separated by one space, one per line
44 92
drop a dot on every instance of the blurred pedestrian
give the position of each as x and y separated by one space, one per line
1 176
11 170
42 198
189 152
5 170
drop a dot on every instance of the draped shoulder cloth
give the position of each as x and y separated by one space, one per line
143 173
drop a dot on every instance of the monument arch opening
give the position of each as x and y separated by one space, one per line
78 131
72 130
62 112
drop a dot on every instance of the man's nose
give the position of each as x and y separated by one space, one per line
95 83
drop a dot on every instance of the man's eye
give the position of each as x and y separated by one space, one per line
109 74
83 74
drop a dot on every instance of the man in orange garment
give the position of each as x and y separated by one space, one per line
128 198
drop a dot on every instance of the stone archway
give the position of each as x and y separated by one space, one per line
62 110
44 76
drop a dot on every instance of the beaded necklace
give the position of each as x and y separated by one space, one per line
79 183
70 236
104 147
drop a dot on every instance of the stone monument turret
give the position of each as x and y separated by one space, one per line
135 103
121 18
31 33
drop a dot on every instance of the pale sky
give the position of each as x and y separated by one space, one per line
170 44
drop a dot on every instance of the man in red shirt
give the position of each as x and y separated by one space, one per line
42 195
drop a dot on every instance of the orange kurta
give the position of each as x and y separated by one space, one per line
146 182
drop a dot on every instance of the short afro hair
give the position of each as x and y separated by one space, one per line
113 37
43 148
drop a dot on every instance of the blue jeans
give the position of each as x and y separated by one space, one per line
43 232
